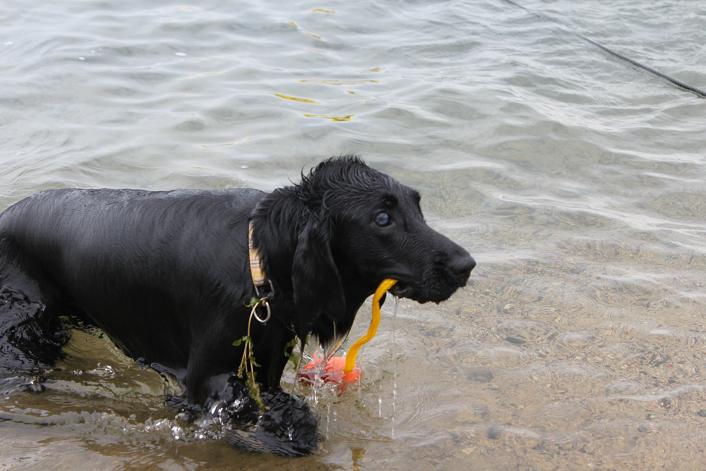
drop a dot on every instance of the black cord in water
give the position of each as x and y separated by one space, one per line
673 81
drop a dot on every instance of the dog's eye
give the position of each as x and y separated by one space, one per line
382 219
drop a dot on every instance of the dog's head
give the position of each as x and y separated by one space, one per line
362 227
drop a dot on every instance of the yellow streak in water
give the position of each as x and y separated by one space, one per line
296 98
339 82
341 118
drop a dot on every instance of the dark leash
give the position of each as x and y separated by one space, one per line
684 86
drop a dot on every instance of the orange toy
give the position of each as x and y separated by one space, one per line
342 370
332 372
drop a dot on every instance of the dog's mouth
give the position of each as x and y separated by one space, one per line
402 290
422 293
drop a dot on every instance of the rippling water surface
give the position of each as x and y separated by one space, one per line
576 180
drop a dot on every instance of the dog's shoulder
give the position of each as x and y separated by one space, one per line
231 196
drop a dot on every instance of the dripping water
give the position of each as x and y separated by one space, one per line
328 420
394 366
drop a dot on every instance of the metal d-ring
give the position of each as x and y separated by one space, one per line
268 290
267 307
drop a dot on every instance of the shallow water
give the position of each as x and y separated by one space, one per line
576 180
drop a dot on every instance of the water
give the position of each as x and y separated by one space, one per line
576 181
394 369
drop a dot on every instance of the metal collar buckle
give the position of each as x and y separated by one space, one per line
264 294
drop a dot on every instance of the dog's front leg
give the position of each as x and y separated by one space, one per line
286 426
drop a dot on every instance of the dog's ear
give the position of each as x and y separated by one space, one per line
315 279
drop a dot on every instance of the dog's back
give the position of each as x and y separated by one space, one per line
124 257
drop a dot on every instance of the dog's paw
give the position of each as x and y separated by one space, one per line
288 427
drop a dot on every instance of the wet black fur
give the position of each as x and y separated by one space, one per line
166 274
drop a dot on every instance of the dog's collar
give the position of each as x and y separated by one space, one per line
263 286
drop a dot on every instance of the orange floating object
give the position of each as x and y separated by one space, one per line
342 370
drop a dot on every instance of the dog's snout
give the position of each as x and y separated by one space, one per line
461 266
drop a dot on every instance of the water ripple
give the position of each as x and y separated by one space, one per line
576 181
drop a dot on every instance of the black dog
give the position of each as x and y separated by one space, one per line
167 275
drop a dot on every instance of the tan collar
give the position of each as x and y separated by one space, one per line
257 272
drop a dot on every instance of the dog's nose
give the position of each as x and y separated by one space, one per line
461 267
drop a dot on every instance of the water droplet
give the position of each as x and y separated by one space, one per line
328 420
394 366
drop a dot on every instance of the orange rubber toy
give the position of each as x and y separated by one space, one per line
342 370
